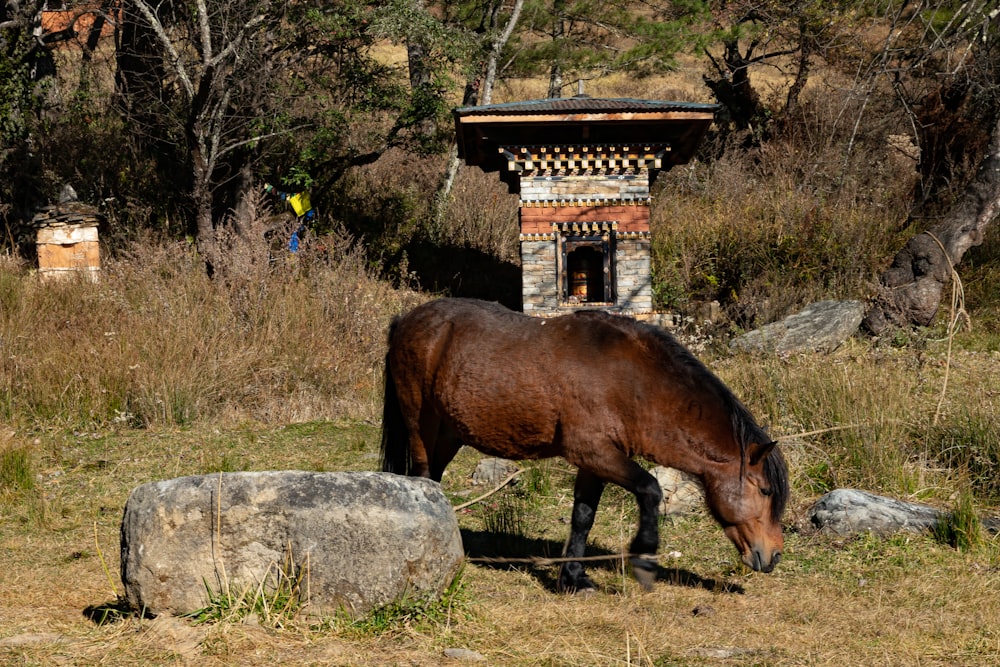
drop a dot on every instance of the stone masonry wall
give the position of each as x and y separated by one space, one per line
634 275
622 199
585 187
539 277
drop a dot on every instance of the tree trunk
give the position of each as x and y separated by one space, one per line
201 195
558 33
417 53
732 86
475 95
911 288
801 74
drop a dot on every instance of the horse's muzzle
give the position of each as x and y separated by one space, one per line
755 559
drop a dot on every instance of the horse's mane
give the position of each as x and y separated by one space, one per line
745 427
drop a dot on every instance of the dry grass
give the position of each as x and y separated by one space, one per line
157 343
904 600
280 370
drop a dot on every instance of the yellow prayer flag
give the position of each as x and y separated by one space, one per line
300 203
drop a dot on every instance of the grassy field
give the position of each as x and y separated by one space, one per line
899 600
157 372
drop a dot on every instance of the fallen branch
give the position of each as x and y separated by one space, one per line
499 486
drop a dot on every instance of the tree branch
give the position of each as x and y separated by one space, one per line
229 148
231 47
168 46
206 32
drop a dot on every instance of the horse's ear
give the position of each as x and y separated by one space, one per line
758 452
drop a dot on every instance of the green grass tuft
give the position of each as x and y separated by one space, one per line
274 601
16 471
961 528
407 612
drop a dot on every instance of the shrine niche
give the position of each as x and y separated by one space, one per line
583 168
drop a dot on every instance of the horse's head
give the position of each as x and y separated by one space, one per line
749 502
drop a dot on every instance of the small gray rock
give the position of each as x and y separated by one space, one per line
464 654
682 493
491 471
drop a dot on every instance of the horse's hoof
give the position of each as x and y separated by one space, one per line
644 571
582 586
646 579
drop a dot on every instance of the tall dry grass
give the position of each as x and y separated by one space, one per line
274 337
813 213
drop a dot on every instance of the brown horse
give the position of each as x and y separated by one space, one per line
594 388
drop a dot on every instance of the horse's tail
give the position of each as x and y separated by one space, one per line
395 440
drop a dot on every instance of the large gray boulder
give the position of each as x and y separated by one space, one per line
357 540
820 327
849 511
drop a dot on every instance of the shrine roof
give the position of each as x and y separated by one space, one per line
584 104
485 132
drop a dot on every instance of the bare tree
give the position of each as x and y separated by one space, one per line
204 51
480 90
911 289
958 52
754 34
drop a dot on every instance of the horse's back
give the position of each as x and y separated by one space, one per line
487 339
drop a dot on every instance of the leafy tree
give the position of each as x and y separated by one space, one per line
24 63
571 40
251 82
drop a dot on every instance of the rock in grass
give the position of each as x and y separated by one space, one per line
821 327
492 471
682 493
353 541
849 511
464 654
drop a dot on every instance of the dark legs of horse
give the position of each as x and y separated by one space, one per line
445 448
648 493
434 447
586 495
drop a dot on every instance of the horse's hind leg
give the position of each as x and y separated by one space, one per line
446 445
424 435
433 447
587 493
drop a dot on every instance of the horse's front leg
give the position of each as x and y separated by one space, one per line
648 494
631 476
587 493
